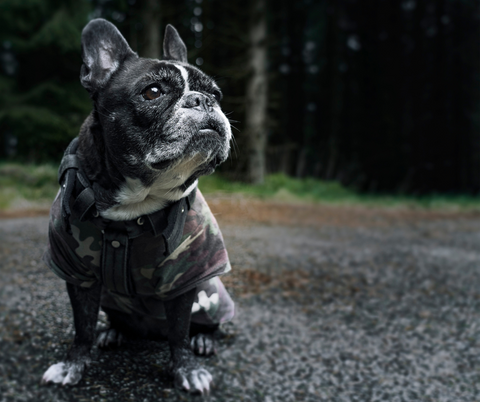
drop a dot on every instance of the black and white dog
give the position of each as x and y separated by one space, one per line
156 126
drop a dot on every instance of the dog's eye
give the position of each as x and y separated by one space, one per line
217 95
152 92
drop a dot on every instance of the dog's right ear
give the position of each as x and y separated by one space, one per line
173 46
103 51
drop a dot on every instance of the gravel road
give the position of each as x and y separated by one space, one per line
344 305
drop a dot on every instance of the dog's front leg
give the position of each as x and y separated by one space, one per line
85 305
188 374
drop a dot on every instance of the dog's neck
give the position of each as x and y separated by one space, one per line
135 199
122 198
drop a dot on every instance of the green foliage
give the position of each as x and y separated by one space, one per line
42 103
24 186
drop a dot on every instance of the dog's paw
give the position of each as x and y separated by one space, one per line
64 373
110 337
203 344
196 381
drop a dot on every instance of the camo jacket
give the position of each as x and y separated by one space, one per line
157 276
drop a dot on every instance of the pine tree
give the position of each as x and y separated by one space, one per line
42 104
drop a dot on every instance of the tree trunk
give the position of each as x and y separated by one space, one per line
150 16
256 94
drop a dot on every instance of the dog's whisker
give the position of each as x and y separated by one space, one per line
235 146
231 125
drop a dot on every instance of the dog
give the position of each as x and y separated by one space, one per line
129 231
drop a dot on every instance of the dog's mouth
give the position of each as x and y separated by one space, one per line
214 162
210 127
208 131
161 165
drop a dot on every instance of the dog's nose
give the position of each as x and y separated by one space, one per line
198 101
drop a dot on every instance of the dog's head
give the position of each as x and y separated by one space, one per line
160 119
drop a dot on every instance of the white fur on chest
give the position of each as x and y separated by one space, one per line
134 199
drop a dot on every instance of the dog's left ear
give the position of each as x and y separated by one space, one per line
103 50
173 46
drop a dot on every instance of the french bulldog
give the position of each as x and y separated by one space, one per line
129 231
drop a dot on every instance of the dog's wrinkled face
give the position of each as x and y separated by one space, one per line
165 113
161 120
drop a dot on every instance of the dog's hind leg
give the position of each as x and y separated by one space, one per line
110 337
123 326
85 305
203 338
212 306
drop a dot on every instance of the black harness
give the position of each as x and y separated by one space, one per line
78 199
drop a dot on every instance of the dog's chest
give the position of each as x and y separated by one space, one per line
134 199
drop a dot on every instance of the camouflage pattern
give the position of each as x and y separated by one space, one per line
196 262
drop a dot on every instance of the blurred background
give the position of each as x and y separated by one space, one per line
377 95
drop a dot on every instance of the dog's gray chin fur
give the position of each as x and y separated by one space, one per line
207 167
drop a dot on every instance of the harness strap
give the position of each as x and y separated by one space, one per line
69 161
66 177
82 204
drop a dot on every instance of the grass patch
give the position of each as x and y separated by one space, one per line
27 186
280 186
34 186
283 188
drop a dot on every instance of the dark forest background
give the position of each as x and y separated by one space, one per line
382 95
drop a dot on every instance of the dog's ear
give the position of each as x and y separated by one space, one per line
173 46
103 51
